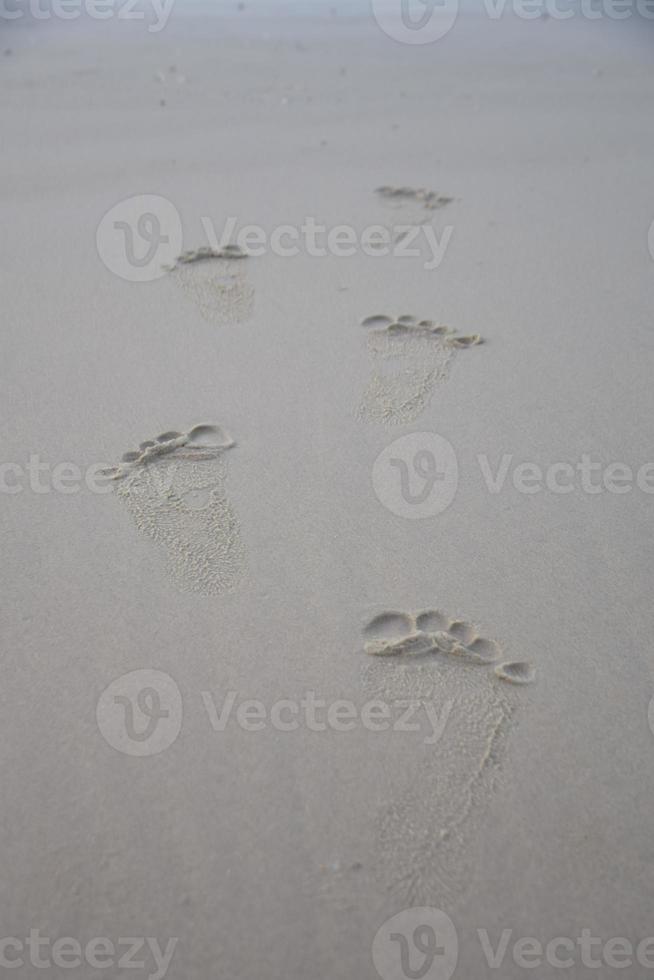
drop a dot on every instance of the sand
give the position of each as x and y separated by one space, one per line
260 569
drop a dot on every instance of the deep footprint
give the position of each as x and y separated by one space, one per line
410 356
173 487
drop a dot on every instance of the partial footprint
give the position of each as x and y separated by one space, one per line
397 196
517 672
409 358
432 632
428 835
432 621
173 486
389 626
215 280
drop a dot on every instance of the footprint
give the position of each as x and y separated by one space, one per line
389 626
215 280
409 358
173 486
432 621
427 837
397 196
412 645
432 632
518 672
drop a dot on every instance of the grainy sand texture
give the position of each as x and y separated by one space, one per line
327 478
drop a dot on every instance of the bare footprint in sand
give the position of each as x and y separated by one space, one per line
427 837
216 282
409 358
173 486
400 196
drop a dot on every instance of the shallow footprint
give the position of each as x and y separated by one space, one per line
410 646
432 621
486 651
408 360
517 672
389 626
428 836
175 493
216 282
409 357
397 196
377 321
465 633
394 634
470 341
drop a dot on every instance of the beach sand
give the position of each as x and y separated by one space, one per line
281 853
